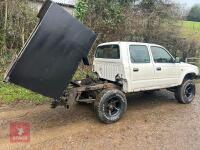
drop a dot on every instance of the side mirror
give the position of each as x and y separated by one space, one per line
177 60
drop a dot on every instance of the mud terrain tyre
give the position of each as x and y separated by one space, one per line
185 93
110 105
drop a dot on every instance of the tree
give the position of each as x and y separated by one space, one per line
17 20
81 9
194 14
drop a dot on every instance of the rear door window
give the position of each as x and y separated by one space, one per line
139 54
108 52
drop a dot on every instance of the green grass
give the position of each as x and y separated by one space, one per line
79 75
10 93
190 30
191 25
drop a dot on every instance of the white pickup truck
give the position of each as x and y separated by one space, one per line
120 68
139 67
128 67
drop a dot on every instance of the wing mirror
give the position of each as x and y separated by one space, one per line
177 60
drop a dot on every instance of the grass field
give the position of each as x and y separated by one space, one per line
10 93
190 30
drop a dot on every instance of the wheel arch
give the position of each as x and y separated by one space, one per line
187 75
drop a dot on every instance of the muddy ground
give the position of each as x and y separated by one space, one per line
151 122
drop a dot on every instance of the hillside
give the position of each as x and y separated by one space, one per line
190 30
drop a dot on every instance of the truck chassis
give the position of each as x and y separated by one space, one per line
84 91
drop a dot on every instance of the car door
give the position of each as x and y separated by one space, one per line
166 70
142 69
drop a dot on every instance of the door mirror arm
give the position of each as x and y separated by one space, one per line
177 60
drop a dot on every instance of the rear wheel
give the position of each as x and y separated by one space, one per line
186 92
110 105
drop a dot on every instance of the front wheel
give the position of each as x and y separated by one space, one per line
186 92
110 105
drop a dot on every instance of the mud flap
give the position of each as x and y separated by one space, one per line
53 52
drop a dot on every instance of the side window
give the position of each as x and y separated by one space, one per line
108 52
139 54
160 55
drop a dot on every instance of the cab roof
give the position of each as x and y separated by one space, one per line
126 42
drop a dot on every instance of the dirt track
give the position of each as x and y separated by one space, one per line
151 122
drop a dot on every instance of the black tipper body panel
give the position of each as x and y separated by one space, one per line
51 56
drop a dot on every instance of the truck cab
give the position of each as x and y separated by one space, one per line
140 66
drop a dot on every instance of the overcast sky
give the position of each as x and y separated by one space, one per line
188 3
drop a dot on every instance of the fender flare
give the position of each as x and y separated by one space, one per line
184 74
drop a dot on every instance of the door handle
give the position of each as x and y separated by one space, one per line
135 69
158 69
